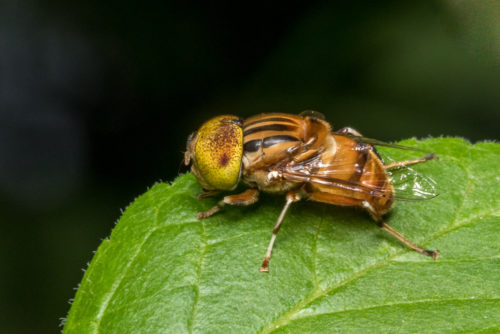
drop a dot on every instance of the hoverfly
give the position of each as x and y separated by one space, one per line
300 156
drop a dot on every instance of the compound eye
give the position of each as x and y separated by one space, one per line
218 152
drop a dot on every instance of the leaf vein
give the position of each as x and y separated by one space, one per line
315 253
237 236
118 282
139 300
203 250
421 301
480 330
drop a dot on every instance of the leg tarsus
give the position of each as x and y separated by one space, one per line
399 164
431 156
212 211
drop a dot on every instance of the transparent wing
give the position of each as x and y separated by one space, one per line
337 171
409 184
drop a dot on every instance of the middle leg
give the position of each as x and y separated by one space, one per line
291 197
386 227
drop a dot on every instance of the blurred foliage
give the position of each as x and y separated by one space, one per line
97 99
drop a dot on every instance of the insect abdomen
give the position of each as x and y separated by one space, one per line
358 173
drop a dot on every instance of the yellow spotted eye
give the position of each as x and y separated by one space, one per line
217 153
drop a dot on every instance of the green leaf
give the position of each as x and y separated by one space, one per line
332 270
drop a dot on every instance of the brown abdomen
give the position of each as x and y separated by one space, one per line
360 173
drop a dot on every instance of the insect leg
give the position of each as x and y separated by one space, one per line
291 197
207 193
400 237
428 157
247 197
348 131
378 219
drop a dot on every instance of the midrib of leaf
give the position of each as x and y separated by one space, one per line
317 293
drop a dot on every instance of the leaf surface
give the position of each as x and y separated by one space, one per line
332 270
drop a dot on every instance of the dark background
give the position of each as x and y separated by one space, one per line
97 99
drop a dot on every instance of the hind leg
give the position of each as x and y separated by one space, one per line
405 163
396 234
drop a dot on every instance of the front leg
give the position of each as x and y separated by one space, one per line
207 193
247 197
